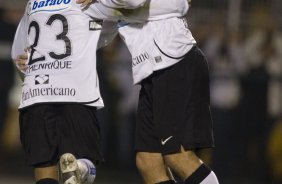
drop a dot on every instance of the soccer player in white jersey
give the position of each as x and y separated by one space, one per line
60 91
173 116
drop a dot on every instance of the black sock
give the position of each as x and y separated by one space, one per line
199 175
167 182
47 181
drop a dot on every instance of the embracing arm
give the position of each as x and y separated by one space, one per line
20 39
19 54
21 64
108 9
108 33
127 4
152 10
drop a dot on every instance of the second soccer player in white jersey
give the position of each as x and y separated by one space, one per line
61 90
173 117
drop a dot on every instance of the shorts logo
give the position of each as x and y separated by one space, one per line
163 142
41 79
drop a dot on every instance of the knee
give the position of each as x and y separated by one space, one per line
151 166
183 164
172 160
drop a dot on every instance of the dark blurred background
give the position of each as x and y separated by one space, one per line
243 43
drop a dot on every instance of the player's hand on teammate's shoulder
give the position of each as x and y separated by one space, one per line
85 3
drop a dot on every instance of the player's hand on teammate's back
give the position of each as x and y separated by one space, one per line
21 62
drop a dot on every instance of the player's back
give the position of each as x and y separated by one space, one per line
62 43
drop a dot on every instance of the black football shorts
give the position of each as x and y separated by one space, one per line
49 130
174 107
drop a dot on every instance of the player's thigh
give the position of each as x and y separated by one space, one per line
149 160
151 166
46 172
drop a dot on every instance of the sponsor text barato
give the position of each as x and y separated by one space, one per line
40 4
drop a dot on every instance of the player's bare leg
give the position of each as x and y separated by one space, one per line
152 168
46 173
183 163
187 165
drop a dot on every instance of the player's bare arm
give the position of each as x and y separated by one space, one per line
21 62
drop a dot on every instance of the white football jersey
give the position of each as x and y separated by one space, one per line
61 36
156 34
62 43
159 44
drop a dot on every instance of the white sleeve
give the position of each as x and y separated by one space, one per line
99 11
127 4
108 33
20 39
152 10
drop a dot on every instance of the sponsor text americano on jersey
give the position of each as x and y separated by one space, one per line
49 91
